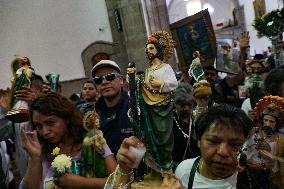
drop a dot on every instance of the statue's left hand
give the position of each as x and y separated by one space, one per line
156 83
267 155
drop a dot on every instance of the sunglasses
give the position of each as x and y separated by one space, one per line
107 77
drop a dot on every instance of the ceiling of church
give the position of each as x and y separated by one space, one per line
179 9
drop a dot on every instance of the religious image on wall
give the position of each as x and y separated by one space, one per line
227 55
259 8
195 33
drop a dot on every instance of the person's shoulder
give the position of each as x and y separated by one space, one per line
100 104
184 167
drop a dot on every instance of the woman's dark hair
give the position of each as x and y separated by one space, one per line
229 116
53 104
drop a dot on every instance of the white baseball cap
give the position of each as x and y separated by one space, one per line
105 63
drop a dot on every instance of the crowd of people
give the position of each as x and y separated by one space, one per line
198 134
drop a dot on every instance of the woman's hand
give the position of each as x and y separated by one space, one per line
67 180
125 158
244 40
26 94
31 144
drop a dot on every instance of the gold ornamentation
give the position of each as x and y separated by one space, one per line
272 103
115 180
166 40
91 121
201 88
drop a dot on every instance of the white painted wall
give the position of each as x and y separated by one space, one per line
53 33
258 45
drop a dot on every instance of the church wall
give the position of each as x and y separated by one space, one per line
258 45
52 33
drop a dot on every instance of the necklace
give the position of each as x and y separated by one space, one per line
189 129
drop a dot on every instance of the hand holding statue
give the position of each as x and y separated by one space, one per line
26 94
125 157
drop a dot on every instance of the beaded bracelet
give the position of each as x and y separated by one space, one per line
113 181
120 172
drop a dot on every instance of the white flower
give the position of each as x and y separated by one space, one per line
61 163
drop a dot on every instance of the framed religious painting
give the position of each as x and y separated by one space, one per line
227 59
194 33
259 8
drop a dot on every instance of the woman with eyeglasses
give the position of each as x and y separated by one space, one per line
57 123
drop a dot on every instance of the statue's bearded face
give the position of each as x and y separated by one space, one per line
151 51
269 121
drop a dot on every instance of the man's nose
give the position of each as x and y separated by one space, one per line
104 81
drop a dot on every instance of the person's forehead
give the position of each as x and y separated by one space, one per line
267 116
105 70
256 64
221 130
89 85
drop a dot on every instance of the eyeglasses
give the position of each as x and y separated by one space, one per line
108 77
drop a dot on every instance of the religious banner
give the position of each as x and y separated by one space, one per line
194 33
259 8
227 59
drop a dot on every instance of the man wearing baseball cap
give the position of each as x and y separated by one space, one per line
113 104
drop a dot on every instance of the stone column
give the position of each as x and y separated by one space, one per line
130 39
158 19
